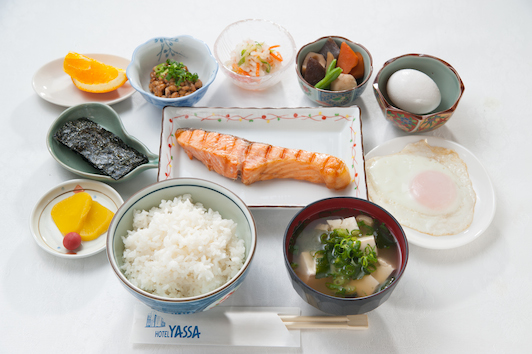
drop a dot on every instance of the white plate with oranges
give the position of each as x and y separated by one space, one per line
54 85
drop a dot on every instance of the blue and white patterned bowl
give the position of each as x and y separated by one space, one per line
333 98
211 195
195 54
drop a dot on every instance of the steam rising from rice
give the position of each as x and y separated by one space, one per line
180 249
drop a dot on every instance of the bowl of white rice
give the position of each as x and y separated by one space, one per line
254 53
182 245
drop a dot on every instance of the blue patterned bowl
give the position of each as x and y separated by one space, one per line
195 54
333 98
211 195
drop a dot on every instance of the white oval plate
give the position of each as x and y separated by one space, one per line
46 233
51 83
484 207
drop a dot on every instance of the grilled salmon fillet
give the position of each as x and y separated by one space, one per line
235 157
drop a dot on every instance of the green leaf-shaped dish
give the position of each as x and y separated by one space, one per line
108 119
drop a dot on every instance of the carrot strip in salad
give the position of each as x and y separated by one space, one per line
242 72
277 56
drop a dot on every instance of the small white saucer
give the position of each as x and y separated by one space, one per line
46 233
51 83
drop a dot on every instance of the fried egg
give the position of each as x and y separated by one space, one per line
426 188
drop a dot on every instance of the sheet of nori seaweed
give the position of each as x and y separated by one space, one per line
101 148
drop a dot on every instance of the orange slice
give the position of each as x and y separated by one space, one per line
91 75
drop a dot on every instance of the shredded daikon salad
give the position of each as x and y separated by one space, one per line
252 58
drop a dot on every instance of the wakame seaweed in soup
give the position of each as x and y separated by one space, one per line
353 256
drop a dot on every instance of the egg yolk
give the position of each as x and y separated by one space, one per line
433 189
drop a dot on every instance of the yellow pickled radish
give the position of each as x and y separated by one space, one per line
96 222
70 213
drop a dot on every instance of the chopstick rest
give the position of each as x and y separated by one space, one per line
356 322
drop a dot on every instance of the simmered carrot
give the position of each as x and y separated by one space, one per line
347 59
358 70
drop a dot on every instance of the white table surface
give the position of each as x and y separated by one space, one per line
471 299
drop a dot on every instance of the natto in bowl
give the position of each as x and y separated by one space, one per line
192 52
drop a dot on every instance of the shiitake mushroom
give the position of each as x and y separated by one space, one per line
330 46
317 56
314 71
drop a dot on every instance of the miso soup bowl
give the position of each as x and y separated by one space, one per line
211 195
344 207
444 75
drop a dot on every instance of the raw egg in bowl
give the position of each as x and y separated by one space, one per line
418 92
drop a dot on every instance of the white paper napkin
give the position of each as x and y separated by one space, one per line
223 326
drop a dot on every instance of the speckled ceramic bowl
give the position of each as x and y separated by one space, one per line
444 75
192 52
333 98
211 195
343 207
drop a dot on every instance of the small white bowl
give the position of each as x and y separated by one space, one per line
261 31
192 52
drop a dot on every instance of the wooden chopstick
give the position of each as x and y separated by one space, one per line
326 322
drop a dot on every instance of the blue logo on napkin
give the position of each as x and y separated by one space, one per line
153 320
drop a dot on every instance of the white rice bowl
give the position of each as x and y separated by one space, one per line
181 249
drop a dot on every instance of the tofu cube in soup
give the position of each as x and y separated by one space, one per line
334 224
323 227
365 286
309 264
383 271
349 224
368 241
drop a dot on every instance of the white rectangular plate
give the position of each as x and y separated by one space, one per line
331 130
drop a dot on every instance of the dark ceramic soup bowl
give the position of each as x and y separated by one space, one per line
343 207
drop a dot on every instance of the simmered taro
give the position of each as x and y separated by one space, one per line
354 256
99 147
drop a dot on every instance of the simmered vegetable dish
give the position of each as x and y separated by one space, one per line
333 68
